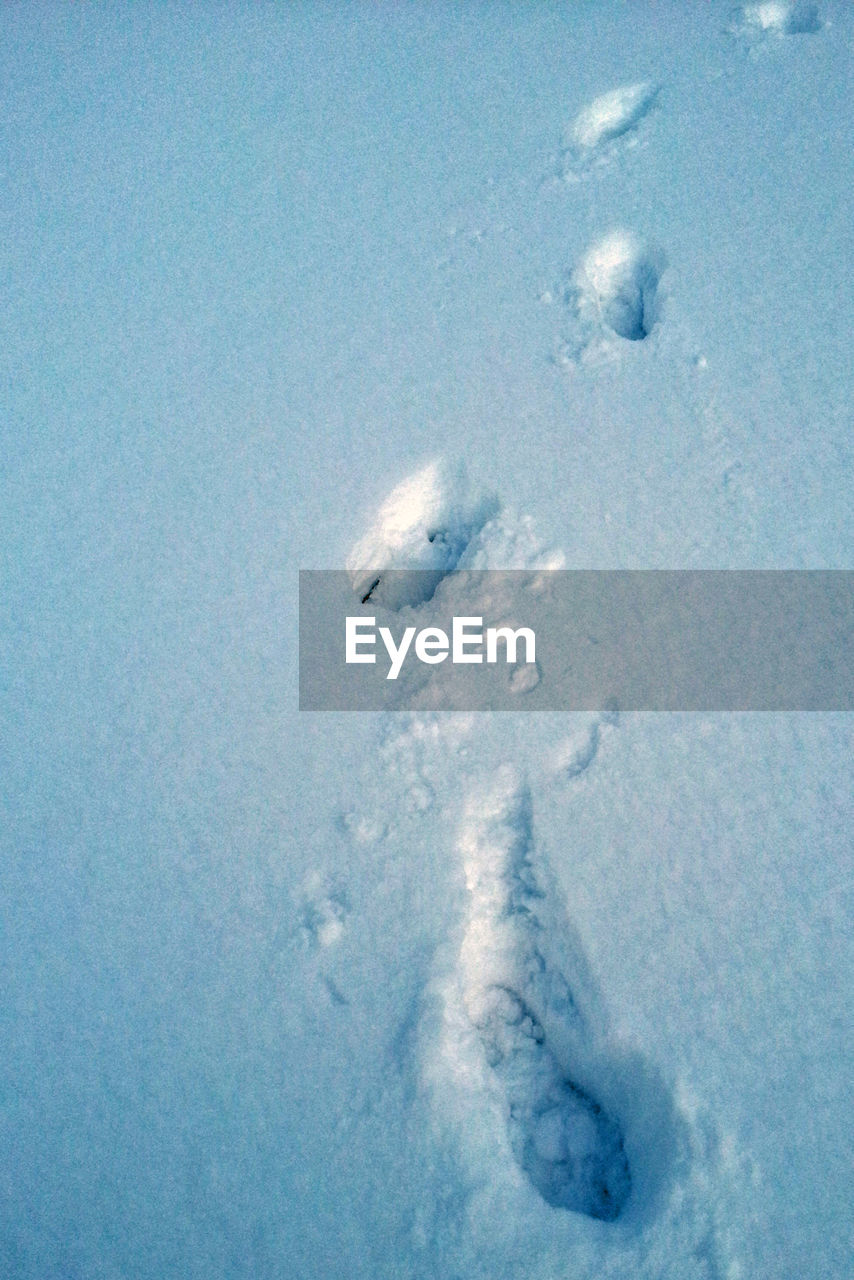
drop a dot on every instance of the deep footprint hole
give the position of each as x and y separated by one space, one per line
630 308
571 1150
617 286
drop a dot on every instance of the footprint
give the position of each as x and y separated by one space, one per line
778 18
604 121
421 532
432 524
576 754
527 1018
616 287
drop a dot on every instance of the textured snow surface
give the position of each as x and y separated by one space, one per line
509 996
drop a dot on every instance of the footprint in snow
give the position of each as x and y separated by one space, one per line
616 286
608 121
421 531
432 523
565 1141
616 297
777 18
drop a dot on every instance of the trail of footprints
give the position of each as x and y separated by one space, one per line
513 1052
519 1000
516 990
614 291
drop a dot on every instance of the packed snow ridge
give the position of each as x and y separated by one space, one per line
526 1016
616 286
612 115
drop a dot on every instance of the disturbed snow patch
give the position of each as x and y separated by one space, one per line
611 116
425 525
576 754
323 909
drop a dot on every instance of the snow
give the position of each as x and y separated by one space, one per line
610 116
425 525
617 286
360 995
782 17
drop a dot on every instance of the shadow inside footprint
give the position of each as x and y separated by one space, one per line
781 17
571 1150
630 309
574 1155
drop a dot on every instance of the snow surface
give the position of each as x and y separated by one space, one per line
414 995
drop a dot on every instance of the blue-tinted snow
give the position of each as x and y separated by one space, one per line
260 266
